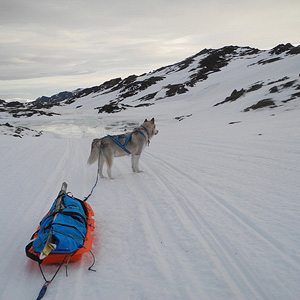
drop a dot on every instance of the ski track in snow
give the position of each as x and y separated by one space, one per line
191 226
228 264
233 212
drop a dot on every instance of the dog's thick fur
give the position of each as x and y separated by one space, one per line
110 149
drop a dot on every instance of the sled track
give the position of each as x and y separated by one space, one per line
231 267
240 217
161 234
232 270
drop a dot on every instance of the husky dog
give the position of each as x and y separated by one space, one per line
132 143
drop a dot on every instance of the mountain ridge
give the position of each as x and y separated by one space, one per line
148 88
165 82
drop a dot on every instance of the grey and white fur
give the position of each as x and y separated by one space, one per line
105 149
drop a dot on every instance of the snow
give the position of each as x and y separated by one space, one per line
214 215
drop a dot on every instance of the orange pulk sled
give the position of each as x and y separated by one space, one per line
64 234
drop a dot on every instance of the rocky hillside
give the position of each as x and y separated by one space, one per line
189 75
185 77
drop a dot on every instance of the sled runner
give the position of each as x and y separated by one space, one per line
65 232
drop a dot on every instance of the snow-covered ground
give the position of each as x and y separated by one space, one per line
214 216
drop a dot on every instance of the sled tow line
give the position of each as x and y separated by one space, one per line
47 282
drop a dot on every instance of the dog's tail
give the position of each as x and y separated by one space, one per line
95 148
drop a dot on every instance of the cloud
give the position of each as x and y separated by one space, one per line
73 40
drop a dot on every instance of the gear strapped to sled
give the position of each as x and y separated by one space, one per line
64 234
66 229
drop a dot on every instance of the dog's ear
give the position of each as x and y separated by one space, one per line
145 120
152 120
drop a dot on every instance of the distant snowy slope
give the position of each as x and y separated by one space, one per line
248 78
255 74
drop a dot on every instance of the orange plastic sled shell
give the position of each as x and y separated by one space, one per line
73 256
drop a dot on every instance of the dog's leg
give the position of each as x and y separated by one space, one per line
101 160
109 165
135 163
109 161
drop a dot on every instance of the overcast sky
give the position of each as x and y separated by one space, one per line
48 46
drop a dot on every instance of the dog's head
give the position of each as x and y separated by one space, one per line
150 125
